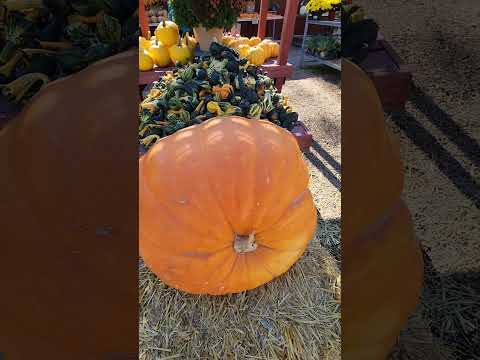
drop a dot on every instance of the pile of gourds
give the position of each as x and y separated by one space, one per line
216 84
42 41
165 48
256 50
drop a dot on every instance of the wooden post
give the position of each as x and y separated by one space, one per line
288 29
143 18
262 21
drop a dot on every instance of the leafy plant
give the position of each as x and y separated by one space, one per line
209 14
357 33
324 46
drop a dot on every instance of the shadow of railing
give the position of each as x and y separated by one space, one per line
439 118
328 158
324 170
444 161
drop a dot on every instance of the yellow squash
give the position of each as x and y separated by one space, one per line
143 43
145 61
265 46
243 50
254 41
190 41
167 33
274 49
180 53
256 56
160 55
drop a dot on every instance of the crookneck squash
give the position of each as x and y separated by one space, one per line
224 206
382 266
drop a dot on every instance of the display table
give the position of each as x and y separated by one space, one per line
254 19
271 68
390 76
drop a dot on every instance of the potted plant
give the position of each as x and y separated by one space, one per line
316 6
208 19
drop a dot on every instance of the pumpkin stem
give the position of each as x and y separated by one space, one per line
245 244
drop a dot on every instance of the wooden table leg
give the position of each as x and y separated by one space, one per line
262 21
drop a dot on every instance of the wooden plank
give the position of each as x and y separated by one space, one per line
272 68
262 23
143 18
287 30
390 76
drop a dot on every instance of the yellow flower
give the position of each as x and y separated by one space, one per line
324 5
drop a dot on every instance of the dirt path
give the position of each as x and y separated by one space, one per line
440 133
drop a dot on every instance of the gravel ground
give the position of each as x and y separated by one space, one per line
315 94
439 133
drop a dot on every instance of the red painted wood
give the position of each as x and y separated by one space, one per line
271 67
262 21
390 76
303 136
287 30
143 18
275 70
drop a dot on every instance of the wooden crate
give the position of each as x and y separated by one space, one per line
391 77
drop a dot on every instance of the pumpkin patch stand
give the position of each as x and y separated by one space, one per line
278 69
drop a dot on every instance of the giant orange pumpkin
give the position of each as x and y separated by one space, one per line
382 268
224 206
68 220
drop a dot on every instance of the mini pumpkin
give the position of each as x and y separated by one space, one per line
274 48
265 46
243 50
227 39
223 91
254 41
256 56
243 40
234 212
167 33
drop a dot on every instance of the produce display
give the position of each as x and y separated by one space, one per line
255 49
224 206
166 47
216 84
323 46
46 40
156 10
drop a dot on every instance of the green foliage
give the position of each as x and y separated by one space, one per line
357 33
209 14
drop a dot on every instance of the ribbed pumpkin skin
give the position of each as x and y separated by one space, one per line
205 184
382 265
65 183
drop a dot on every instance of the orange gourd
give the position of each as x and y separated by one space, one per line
382 265
224 206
